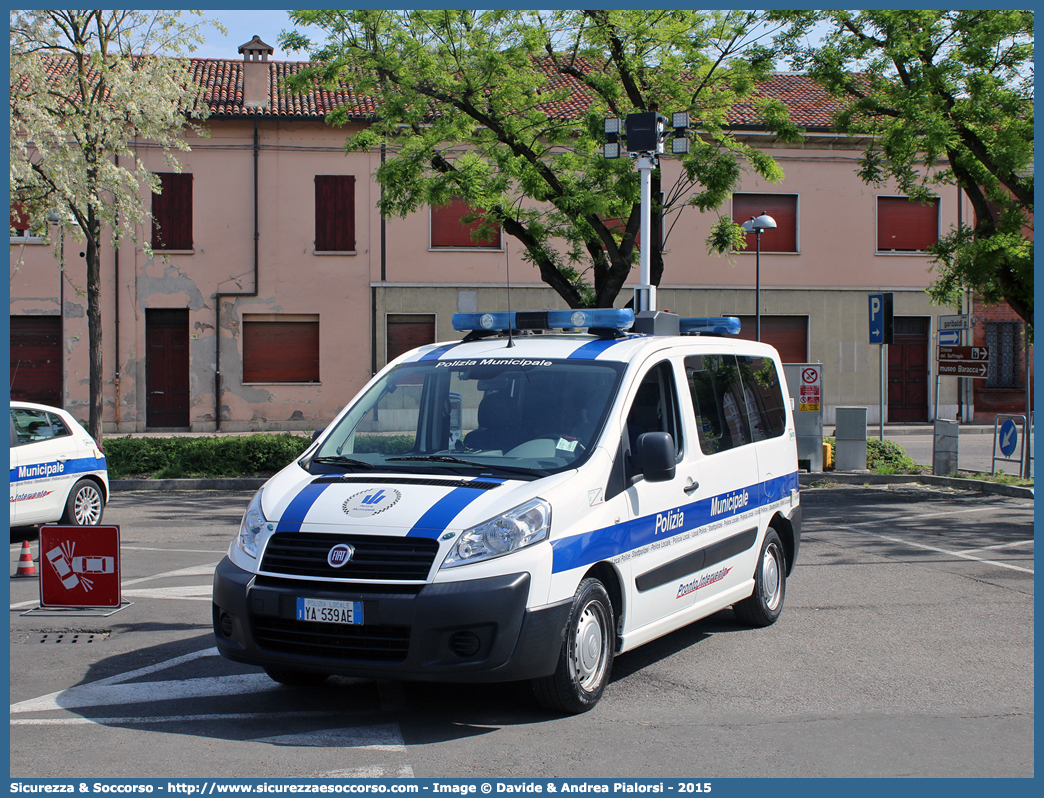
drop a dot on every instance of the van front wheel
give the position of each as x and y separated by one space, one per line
770 585
586 659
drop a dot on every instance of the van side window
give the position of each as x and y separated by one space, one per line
768 416
719 402
655 407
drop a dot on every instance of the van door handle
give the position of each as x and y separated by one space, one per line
691 489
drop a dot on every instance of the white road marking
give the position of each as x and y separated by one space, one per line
959 554
189 592
371 772
379 737
96 695
135 721
1002 545
192 570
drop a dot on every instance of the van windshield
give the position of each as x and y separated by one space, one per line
524 416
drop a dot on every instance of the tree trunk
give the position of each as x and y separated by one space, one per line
94 327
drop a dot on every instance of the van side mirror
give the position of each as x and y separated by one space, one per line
317 433
654 456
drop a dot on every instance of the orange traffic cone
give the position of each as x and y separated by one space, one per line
26 566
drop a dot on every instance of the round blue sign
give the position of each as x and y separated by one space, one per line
1009 437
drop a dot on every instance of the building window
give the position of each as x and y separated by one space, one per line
407 331
335 213
905 225
781 207
1003 339
280 348
19 222
789 334
448 228
172 212
36 359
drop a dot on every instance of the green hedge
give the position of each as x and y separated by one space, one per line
259 455
210 456
884 457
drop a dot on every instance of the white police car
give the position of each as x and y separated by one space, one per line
58 472
524 507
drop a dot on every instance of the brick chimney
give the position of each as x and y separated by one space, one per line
255 72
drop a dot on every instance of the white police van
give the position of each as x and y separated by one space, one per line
524 506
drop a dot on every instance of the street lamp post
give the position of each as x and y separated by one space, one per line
54 219
755 226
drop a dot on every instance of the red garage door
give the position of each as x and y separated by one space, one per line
789 334
36 359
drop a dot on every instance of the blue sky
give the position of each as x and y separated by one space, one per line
242 26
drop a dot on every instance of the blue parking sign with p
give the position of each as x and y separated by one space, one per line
880 318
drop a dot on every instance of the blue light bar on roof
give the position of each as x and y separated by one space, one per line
722 325
610 318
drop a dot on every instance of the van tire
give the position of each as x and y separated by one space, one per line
85 504
294 677
770 585
586 659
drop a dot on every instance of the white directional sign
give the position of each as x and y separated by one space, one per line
962 322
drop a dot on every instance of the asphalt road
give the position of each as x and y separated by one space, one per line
905 649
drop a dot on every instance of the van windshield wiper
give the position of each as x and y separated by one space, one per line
340 459
448 458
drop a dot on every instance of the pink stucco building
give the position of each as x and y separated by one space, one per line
277 289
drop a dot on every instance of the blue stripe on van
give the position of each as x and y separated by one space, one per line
600 544
439 516
438 352
590 351
295 512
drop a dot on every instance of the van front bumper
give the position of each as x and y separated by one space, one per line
469 631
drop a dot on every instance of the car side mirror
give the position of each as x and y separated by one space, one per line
317 433
654 456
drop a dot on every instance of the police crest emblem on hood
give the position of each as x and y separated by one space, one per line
370 502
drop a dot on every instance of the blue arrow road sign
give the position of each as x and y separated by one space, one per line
876 318
1009 437
949 337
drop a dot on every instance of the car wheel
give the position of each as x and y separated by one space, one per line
85 504
586 659
770 585
294 677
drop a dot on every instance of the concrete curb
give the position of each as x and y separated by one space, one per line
232 483
868 478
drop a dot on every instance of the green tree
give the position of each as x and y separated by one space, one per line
84 86
474 104
947 97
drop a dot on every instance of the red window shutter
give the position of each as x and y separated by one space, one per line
172 212
781 207
406 332
447 229
280 351
36 359
19 221
617 226
789 334
335 213
904 225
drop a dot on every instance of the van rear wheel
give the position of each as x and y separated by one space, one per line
294 677
586 659
770 585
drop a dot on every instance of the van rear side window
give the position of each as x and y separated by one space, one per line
736 400
768 416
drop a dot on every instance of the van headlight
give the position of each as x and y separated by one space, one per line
522 526
254 522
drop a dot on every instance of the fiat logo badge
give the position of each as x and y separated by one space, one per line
340 554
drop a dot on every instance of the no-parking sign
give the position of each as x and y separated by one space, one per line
80 566
810 396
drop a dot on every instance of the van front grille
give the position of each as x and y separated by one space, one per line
374 557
